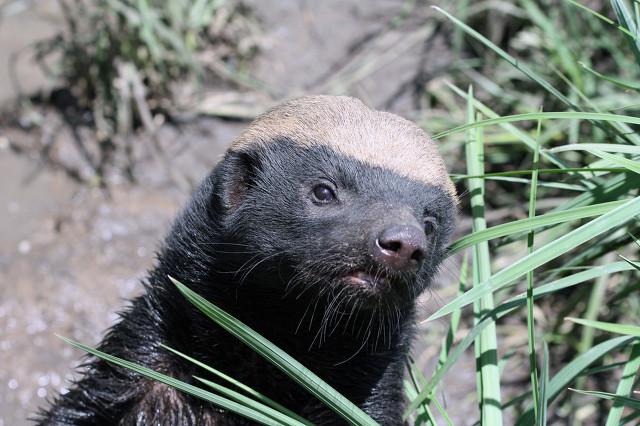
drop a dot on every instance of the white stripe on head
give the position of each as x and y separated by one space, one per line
351 128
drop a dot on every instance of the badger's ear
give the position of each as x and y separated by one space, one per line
234 176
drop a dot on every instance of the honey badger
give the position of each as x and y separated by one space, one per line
319 228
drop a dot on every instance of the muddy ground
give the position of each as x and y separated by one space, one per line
71 254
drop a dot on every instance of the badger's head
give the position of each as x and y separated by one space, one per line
324 196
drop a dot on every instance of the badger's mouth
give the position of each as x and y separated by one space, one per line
371 281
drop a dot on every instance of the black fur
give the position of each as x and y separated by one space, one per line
252 241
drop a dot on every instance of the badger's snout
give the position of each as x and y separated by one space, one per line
400 247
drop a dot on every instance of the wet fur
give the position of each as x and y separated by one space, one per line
250 242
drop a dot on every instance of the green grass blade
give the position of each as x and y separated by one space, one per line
443 412
562 115
424 415
629 330
255 394
486 344
632 165
603 18
573 369
625 19
602 245
308 380
570 281
541 184
624 400
606 147
248 402
455 316
225 403
589 170
620 215
476 192
458 36
544 386
625 386
594 305
631 417
530 302
612 189
526 225
636 265
625 84
603 368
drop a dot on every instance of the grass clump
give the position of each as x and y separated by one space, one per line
578 64
126 64
149 45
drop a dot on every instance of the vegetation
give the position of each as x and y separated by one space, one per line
125 64
544 105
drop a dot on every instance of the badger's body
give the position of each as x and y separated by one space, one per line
319 228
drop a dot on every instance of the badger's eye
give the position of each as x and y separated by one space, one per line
430 225
323 194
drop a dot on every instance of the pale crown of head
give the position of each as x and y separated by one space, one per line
348 126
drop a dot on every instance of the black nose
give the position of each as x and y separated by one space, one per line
401 247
